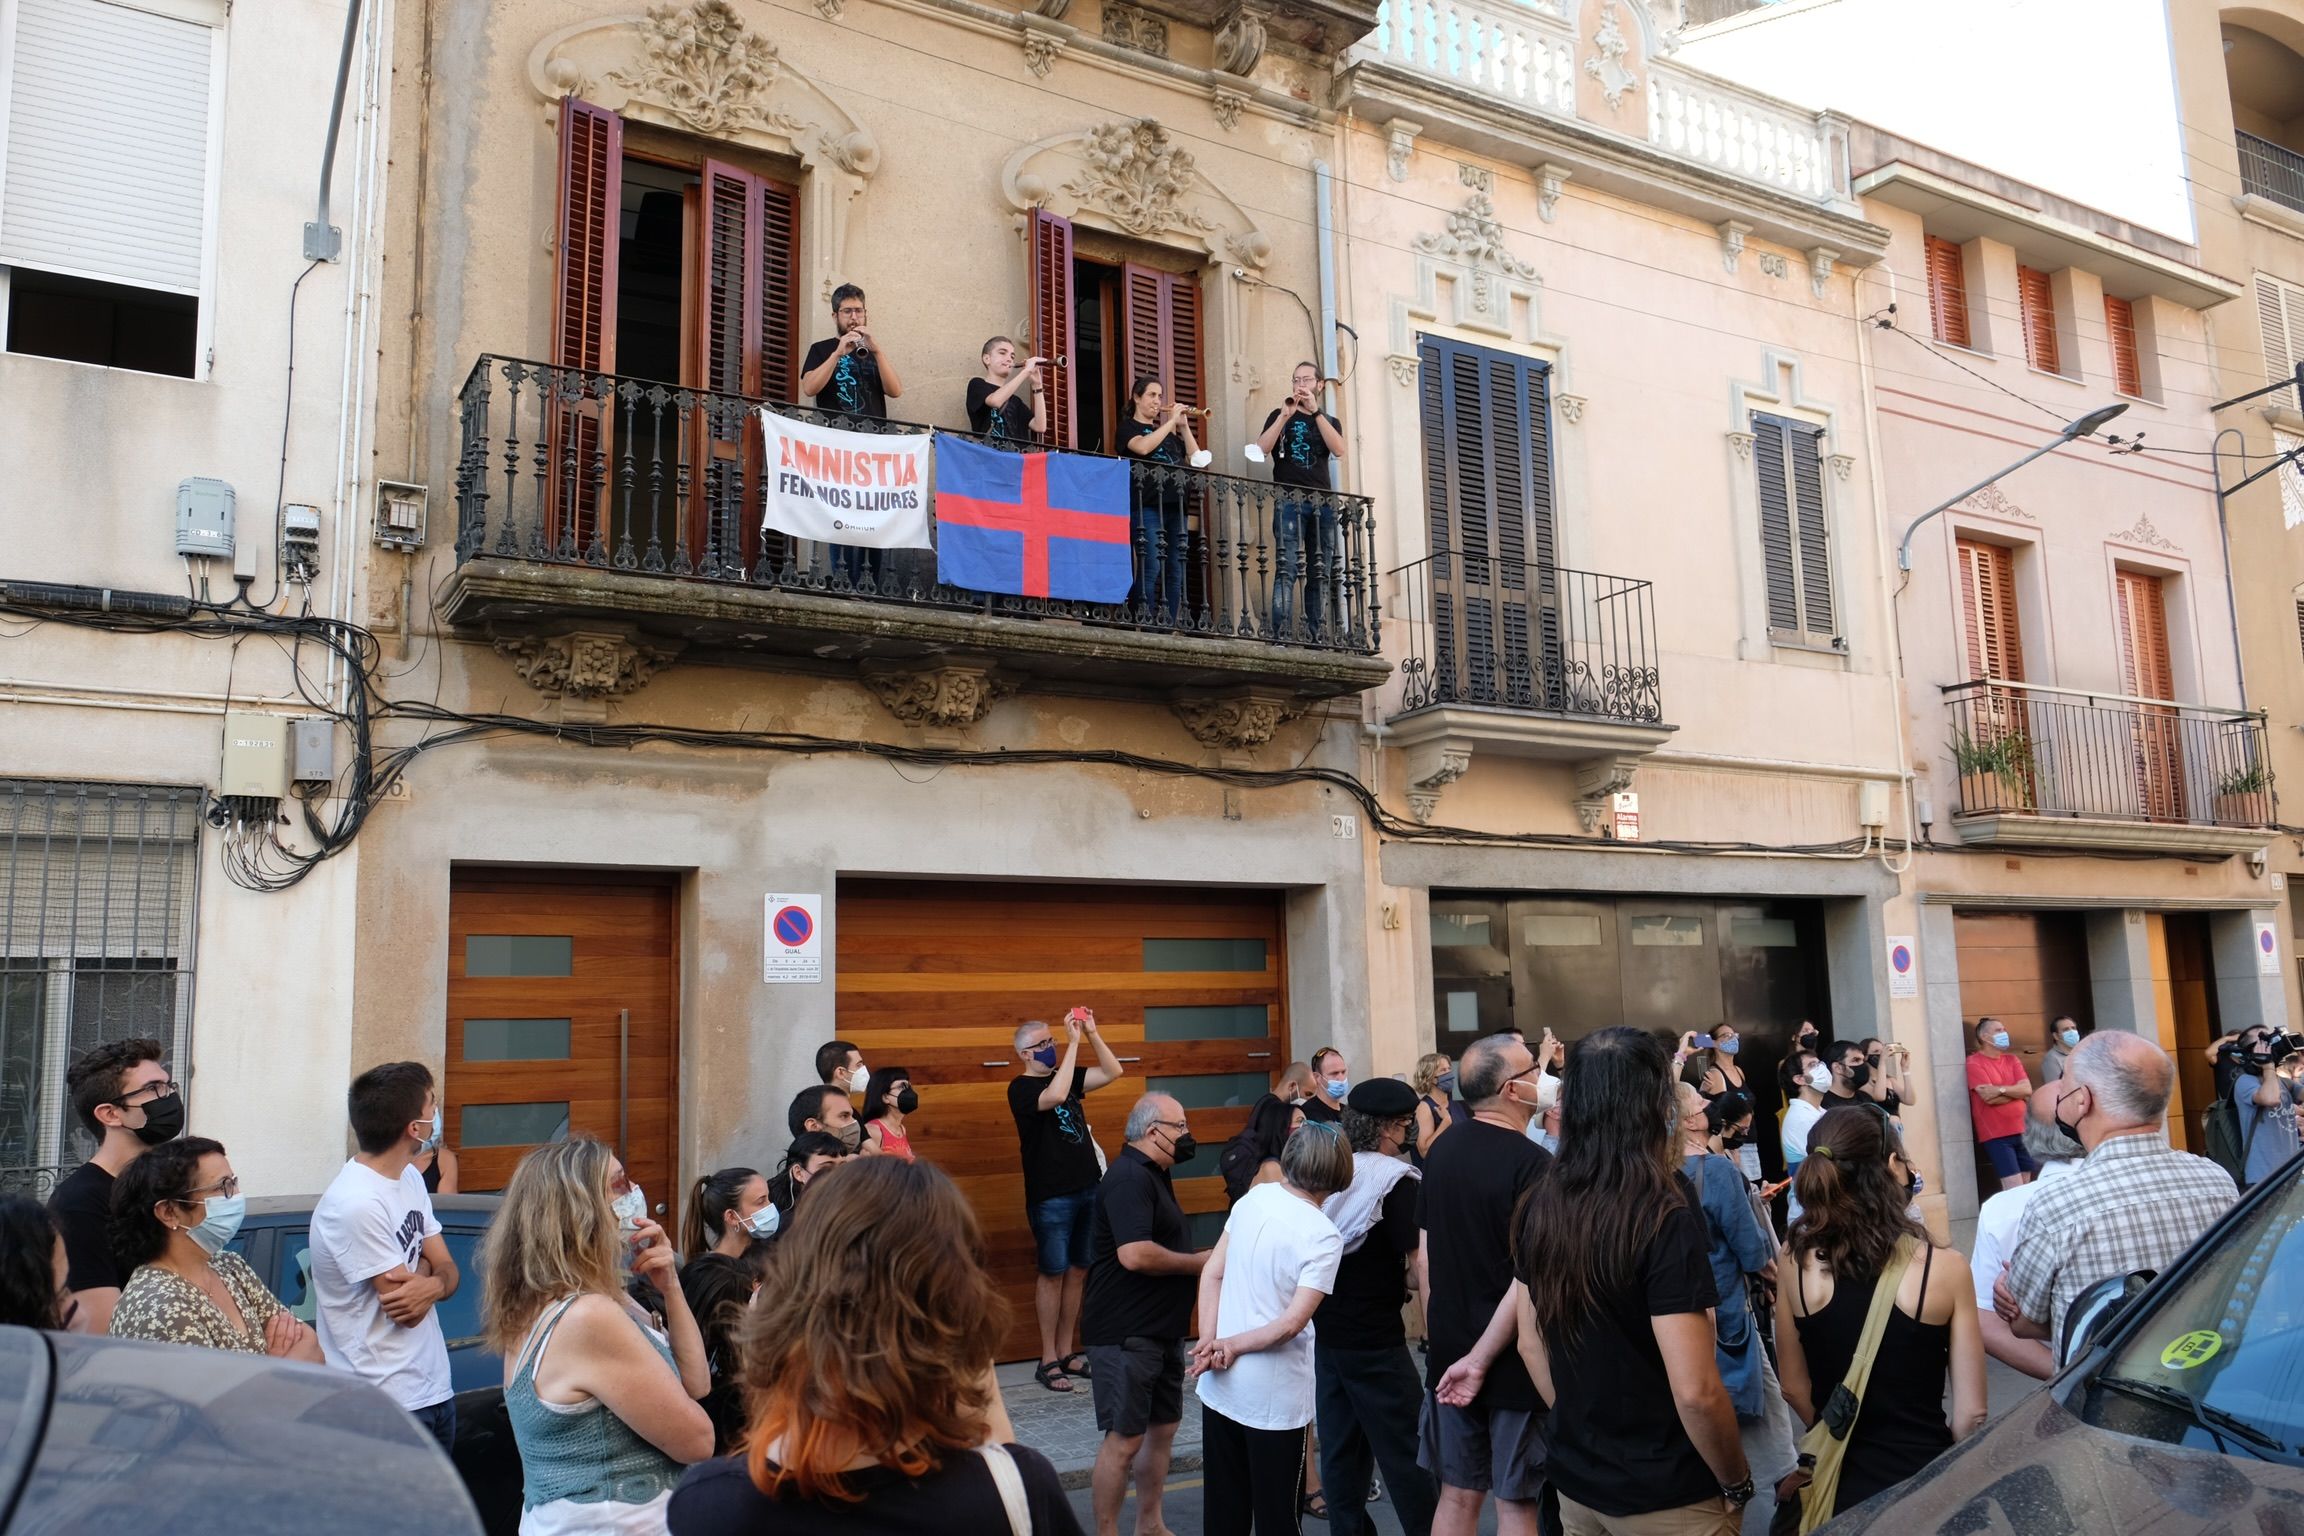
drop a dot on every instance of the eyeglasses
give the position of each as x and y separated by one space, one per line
160 1088
224 1189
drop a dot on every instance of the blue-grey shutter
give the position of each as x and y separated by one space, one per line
1816 608
1768 449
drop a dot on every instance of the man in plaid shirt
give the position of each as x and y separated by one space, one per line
2134 1202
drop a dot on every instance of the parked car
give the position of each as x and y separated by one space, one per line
2179 1412
104 1434
276 1240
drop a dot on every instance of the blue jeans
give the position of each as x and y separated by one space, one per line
1304 548
1160 550
1061 1225
438 1421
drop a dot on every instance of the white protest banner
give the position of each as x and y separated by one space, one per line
869 489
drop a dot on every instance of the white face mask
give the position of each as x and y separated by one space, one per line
763 1222
1820 1077
629 1207
1998 1039
1547 1092
860 1079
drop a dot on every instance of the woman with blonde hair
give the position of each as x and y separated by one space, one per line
868 1368
604 1409
1435 1083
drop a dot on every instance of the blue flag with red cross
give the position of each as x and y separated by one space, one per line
1032 524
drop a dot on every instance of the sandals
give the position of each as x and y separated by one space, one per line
1050 1374
1081 1370
1314 1505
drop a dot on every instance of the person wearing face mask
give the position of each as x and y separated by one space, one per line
2135 1202
727 1212
1997 1088
2266 1094
1437 1106
1722 1073
178 1207
888 1098
379 1263
1138 1307
1885 1083
1806 1081
840 1065
825 1107
1851 1074
1061 1172
810 1154
2063 1035
123 1096
1331 1081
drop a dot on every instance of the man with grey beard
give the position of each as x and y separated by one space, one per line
1996 1225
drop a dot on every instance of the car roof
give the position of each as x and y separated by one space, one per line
301 1205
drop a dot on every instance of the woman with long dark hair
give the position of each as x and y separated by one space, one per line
868 1370
1152 430
727 1211
888 1097
1855 1189
1615 1322
1252 1156
719 1291
32 1267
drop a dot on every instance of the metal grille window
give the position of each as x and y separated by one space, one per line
97 898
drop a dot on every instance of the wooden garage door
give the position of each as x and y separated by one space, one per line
561 1002
1189 987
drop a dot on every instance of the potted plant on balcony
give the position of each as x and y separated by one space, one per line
2240 795
2003 760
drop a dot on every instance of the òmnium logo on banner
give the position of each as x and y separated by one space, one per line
869 489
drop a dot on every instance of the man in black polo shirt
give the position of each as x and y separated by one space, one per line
1301 439
1367 1386
123 1096
1473 1180
1142 1280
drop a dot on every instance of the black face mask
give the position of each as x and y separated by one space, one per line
907 1101
1184 1148
1859 1075
2069 1128
163 1121
1734 1138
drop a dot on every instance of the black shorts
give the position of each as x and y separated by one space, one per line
1137 1384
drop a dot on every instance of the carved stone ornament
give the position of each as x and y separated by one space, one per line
1741 442
1052 9
1226 104
1773 264
1732 233
1133 28
2142 532
1990 502
1041 49
1240 42
1403 371
946 697
1843 465
1550 179
1607 66
1399 146
1432 767
830 9
1128 177
1235 722
1475 236
1598 780
1820 262
585 667
1571 407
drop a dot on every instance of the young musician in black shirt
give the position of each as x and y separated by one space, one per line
1302 438
1008 404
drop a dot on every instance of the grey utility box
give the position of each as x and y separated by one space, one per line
312 750
204 518
255 757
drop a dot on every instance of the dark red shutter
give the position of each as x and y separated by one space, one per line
1161 329
1051 296
1185 338
2038 301
584 318
779 328
745 324
1947 292
2120 331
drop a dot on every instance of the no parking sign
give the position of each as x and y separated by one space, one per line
794 947
1903 967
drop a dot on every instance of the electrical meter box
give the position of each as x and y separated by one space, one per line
204 518
255 757
312 753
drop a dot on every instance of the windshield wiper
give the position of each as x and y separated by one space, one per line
2215 1420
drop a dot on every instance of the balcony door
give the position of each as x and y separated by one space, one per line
1488 501
1111 313
2146 674
1994 647
673 268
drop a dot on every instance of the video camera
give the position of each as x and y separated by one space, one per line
2271 1048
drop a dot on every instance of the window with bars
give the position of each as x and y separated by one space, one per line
1795 533
1947 292
97 899
2036 297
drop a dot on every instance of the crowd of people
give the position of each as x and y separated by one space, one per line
1619 1338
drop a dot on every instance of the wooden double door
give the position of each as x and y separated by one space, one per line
562 1001
1189 987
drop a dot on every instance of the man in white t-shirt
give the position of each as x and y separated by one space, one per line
379 1264
1996 1224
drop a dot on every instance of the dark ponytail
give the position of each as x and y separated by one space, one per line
1852 1204
710 1200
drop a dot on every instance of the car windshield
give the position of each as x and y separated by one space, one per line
2219 1361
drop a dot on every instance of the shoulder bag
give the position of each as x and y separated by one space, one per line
1826 1442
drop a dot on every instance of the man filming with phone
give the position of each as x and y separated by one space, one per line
1061 1172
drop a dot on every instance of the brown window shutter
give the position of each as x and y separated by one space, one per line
724 285
1988 603
2039 306
1051 299
1186 338
584 316
1161 331
779 326
1947 292
2120 330
2147 674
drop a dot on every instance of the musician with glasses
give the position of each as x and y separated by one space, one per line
122 1096
849 377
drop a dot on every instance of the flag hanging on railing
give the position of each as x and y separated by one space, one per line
869 489
1032 524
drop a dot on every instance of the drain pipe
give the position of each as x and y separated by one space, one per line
1323 190
323 241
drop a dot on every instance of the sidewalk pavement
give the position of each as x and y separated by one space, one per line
1062 1425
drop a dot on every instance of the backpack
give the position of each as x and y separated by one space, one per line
2227 1147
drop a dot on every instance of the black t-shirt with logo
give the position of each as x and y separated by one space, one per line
1009 421
1300 456
1059 1156
1136 1203
1473 1180
1170 448
1616 1444
1363 1311
854 388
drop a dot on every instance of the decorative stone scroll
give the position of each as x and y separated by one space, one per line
584 666
947 697
1237 721
1129 177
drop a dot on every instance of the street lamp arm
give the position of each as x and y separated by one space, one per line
2073 430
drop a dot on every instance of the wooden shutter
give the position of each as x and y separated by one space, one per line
2280 312
584 316
778 332
107 141
1186 344
1795 531
1050 241
2120 331
744 323
1947 292
1161 332
1988 604
2147 674
2038 300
